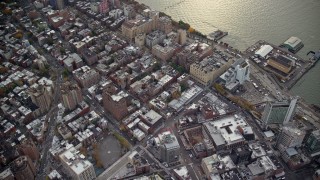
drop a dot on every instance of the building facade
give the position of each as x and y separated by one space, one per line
71 95
23 168
116 104
167 148
163 53
28 148
76 165
279 112
41 96
208 69
165 24
313 143
86 76
289 137
237 74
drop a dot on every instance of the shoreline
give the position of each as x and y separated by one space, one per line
292 86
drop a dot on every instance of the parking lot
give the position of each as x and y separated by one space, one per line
253 95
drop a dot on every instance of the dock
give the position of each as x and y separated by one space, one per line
300 67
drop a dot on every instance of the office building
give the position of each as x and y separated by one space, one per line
279 112
116 104
241 154
23 168
166 147
76 165
290 136
237 74
224 133
313 143
71 95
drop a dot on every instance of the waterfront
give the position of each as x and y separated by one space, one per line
248 21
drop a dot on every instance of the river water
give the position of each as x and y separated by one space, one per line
248 21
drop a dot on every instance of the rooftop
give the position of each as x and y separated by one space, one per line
225 131
293 42
75 160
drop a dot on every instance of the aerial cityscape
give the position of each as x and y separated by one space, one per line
115 89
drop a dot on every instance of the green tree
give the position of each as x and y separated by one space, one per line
183 87
65 73
157 66
50 41
122 140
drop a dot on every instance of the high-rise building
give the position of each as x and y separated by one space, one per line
71 95
40 96
57 4
104 7
167 147
23 168
237 74
313 143
279 112
60 4
290 136
129 11
165 24
28 148
182 36
116 104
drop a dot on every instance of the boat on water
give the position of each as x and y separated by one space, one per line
217 35
315 107
315 55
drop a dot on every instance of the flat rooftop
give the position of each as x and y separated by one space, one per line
225 131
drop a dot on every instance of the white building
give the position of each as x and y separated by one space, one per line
225 133
264 50
290 136
79 168
237 74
